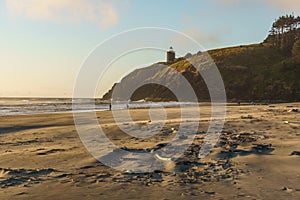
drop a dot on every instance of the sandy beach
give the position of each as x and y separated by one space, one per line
257 157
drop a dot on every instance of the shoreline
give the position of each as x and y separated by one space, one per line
256 157
200 104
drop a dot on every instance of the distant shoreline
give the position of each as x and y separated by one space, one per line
148 105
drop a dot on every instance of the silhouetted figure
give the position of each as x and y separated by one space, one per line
109 106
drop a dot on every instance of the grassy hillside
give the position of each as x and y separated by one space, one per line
257 72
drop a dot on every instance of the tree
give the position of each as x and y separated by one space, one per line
296 50
284 32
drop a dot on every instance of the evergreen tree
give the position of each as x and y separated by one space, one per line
284 32
296 50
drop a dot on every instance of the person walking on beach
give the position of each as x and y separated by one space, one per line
109 106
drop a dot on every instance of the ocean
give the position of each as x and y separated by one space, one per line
23 106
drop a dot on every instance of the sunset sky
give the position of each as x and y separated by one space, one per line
44 42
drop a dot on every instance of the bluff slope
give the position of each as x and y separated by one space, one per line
256 72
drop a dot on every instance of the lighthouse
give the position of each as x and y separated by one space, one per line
170 55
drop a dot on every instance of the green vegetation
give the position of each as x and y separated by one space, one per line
284 32
258 72
296 51
268 71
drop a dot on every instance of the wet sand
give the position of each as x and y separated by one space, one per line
257 157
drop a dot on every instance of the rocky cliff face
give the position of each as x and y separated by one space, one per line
251 73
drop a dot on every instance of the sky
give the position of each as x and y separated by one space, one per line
43 43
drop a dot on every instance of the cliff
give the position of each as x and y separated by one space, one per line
257 72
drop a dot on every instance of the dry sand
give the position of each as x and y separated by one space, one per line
257 157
